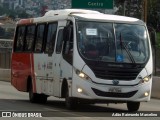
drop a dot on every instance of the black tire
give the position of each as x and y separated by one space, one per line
42 98
133 106
33 97
36 98
70 102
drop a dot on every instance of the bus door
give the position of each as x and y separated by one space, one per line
44 58
57 62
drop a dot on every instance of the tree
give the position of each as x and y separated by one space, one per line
135 8
131 8
6 11
120 5
23 15
153 15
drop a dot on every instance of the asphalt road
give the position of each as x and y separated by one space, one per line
18 104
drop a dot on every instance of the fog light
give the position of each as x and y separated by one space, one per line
79 90
146 94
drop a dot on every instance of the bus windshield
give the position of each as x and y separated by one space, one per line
112 42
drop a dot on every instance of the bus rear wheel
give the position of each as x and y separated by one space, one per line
36 98
133 106
33 97
69 101
42 98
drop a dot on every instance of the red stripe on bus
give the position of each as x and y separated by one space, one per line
26 21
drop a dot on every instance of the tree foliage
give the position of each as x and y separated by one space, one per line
6 11
135 8
131 8
153 13
20 13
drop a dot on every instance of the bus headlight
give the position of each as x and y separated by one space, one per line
83 75
146 79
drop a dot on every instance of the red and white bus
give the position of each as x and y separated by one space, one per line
83 56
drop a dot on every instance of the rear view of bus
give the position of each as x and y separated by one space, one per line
95 58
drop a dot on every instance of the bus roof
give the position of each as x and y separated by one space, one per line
92 15
110 18
69 12
81 14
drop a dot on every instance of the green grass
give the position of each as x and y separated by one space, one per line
158 54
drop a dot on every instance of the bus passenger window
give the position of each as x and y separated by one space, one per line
59 41
30 38
51 36
20 38
39 38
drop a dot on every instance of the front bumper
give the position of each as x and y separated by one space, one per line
98 92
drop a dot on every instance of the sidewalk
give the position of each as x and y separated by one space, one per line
156 87
5 74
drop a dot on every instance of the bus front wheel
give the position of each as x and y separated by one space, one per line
133 106
69 101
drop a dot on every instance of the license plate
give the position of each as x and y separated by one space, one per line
115 90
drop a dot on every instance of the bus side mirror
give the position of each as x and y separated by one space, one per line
67 38
67 33
66 48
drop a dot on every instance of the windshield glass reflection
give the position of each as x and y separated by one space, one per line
98 41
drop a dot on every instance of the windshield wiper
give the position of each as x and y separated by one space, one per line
126 49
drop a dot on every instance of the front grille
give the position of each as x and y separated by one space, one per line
116 73
111 94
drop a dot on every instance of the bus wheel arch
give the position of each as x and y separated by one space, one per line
33 97
64 87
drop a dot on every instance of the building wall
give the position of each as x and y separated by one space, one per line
5 60
5 53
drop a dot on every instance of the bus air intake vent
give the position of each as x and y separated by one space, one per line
111 94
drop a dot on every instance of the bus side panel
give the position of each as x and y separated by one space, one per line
21 69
